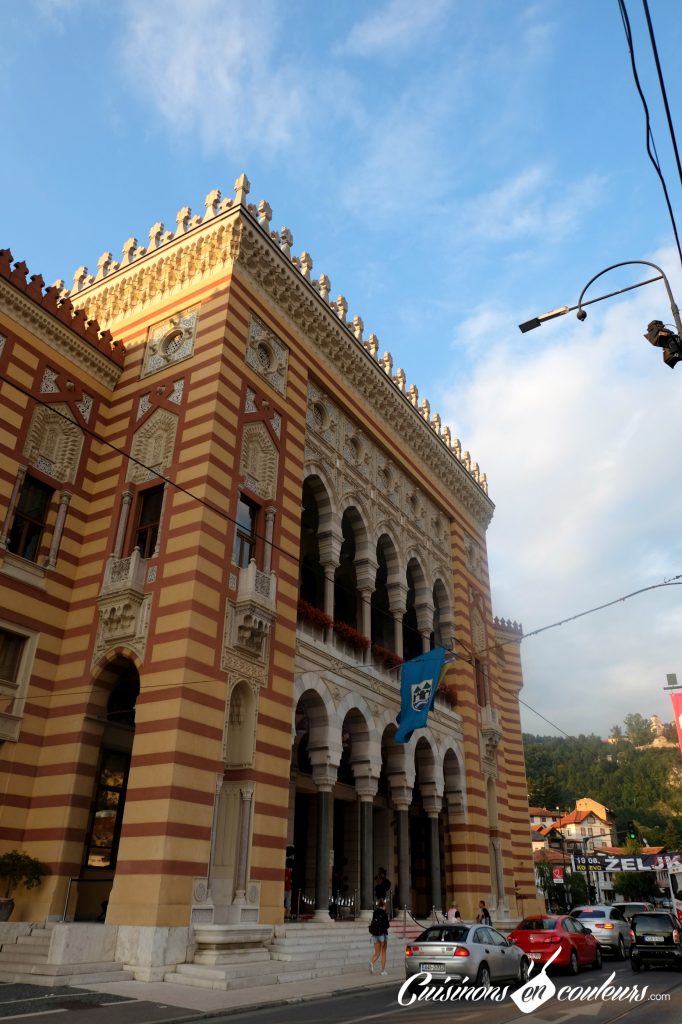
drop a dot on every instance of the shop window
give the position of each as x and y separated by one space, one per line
149 505
29 520
245 535
107 813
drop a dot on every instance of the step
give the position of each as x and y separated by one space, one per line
52 980
10 954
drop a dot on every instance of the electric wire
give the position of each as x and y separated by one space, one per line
661 82
650 144
472 655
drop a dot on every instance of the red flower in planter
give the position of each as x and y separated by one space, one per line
356 640
309 613
389 659
448 694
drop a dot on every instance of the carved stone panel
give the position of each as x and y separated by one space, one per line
170 342
53 443
267 355
259 460
153 446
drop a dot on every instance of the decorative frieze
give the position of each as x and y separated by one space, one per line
170 342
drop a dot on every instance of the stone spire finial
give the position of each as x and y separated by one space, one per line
286 240
341 308
264 216
129 247
372 346
306 263
457 448
358 327
475 469
413 394
426 409
435 423
242 187
387 362
103 264
400 379
182 220
155 232
484 482
212 202
80 278
325 285
447 436
466 460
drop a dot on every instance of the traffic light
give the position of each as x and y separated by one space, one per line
632 832
661 337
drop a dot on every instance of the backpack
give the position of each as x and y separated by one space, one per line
375 926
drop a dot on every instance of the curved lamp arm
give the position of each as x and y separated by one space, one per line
626 263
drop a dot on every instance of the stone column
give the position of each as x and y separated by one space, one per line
404 893
64 499
269 530
126 500
14 497
246 793
434 862
329 570
397 602
366 787
323 846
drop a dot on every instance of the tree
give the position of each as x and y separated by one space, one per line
616 733
638 730
636 885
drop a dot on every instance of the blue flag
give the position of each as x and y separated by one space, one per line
419 680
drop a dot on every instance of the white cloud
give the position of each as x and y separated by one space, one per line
398 26
218 76
531 203
576 429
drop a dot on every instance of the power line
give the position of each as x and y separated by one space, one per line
650 144
673 581
661 82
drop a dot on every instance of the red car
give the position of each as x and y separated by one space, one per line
540 935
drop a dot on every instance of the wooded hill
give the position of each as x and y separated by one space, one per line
637 783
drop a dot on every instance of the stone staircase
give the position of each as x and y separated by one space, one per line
25 958
297 953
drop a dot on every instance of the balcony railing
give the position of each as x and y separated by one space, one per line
124 573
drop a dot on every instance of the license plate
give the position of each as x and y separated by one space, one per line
432 968
535 956
654 938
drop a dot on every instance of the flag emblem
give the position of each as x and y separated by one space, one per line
421 694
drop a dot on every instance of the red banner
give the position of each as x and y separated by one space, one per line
676 698
558 876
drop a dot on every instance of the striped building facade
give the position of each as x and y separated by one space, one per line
226 519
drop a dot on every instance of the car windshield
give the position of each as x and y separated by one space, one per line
628 909
538 924
589 913
456 934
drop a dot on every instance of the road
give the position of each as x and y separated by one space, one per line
660 1004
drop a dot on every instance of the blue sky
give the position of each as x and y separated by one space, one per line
454 168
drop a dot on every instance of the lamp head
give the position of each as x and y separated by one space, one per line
581 314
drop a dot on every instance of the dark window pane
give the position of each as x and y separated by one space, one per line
245 537
29 519
11 646
148 518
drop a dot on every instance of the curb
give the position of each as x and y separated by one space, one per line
284 1001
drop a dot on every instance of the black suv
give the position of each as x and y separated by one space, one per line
655 939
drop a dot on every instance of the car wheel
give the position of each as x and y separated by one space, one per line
620 952
523 974
597 962
483 976
573 965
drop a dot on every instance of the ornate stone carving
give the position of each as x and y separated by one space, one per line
267 355
491 732
153 445
250 618
259 460
123 606
473 556
53 443
170 341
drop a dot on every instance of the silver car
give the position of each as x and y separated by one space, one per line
466 952
609 927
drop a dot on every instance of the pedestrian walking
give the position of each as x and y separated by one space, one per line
453 913
483 915
378 929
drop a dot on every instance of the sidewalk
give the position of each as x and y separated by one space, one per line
206 1002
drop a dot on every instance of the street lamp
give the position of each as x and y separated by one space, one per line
657 334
